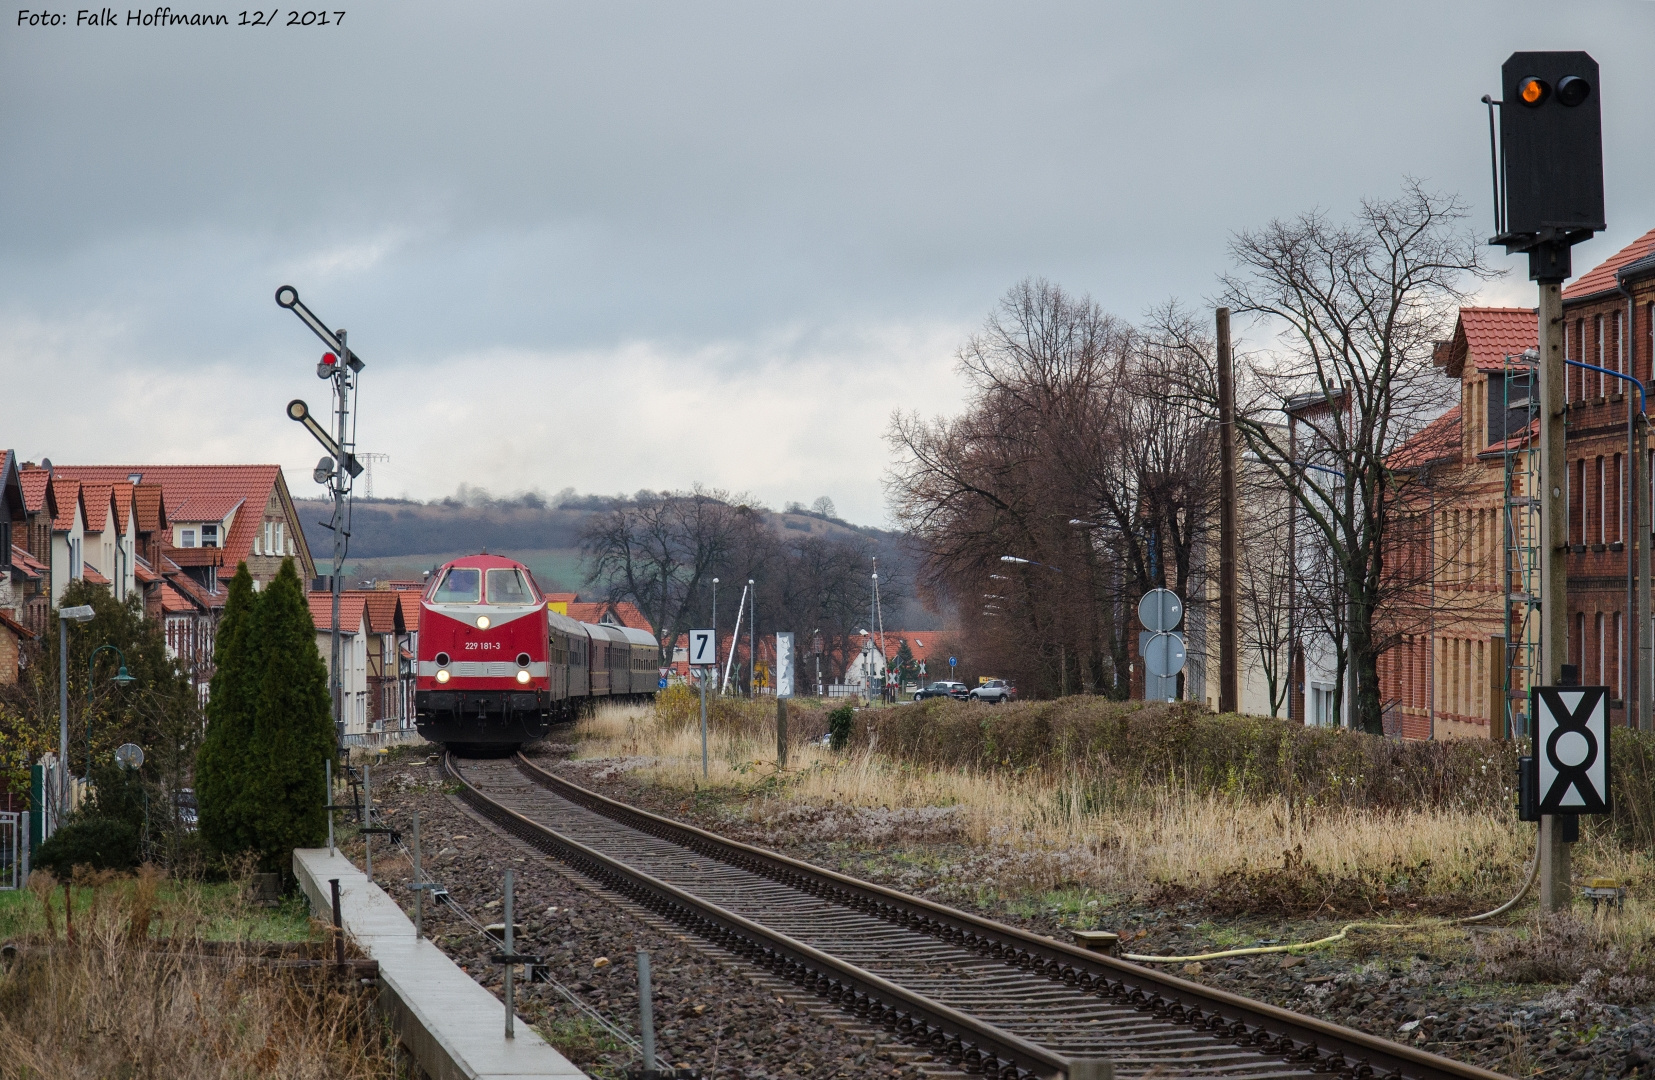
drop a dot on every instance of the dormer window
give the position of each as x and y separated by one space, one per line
186 538
209 536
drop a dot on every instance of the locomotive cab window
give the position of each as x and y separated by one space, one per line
459 586
508 587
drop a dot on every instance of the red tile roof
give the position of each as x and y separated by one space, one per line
351 605
141 570
122 500
67 494
98 500
27 564
197 493
90 573
151 507
172 600
1435 441
16 627
37 487
624 612
1601 278
196 556
924 644
189 587
409 601
381 605
1485 337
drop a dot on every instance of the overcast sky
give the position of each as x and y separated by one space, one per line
613 246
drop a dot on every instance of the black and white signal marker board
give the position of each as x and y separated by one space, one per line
703 648
1571 748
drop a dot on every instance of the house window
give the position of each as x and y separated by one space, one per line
187 538
281 544
1597 331
77 568
5 545
209 536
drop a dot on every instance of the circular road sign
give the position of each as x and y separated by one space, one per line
952 661
1160 611
129 756
1164 655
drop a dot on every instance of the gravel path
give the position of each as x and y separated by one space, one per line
712 1013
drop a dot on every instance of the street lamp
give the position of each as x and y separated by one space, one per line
79 614
1027 562
121 678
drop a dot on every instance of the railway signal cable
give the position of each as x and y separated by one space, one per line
1332 939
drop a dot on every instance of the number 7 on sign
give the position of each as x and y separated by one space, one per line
703 651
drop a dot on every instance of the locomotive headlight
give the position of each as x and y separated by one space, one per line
482 622
523 677
442 676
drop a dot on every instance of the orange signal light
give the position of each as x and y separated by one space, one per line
1533 91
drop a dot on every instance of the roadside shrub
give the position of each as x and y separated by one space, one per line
840 721
680 704
101 843
1126 747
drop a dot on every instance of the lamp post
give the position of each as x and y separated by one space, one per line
121 678
79 614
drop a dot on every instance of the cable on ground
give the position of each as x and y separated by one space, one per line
1298 946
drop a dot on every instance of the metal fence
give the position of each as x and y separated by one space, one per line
374 739
14 850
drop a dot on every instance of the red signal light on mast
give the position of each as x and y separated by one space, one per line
327 367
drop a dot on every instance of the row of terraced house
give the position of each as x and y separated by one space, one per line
1449 676
171 536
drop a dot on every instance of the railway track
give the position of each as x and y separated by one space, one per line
994 999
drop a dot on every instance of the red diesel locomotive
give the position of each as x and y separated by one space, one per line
496 668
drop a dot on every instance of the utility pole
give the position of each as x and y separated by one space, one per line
752 641
1229 690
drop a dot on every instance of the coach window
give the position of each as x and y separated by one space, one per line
459 586
508 587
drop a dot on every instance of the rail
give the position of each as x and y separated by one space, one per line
1323 1045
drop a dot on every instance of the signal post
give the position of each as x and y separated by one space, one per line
1549 197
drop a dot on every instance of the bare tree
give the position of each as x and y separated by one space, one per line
1081 457
1358 307
658 550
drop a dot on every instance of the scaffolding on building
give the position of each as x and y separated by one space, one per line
1521 453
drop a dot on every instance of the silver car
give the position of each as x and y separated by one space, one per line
994 690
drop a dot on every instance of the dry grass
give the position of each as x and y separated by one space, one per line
110 999
1055 828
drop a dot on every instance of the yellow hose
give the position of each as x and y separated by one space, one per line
1528 883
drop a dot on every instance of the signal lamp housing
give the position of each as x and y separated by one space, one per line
1572 90
1533 92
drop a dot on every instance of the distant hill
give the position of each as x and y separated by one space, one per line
400 539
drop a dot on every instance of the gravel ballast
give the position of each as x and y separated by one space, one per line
712 1012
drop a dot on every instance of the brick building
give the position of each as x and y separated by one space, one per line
1449 681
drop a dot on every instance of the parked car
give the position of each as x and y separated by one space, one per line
954 690
995 690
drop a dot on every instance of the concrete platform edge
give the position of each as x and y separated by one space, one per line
453 1027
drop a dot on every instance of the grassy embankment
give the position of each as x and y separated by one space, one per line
122 987
1083 801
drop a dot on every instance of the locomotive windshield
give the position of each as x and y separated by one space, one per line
508 587
459 586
